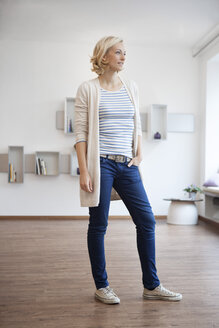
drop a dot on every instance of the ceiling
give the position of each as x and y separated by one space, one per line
170 22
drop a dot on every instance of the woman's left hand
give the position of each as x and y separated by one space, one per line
135 161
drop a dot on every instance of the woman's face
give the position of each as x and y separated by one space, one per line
115 57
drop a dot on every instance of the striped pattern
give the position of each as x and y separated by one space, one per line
116 122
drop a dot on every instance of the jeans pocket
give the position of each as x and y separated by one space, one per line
132 165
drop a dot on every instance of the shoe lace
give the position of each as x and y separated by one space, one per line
108 290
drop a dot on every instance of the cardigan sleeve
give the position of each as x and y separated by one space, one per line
81 115
139 128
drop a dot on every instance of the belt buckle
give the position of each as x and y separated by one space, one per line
120 158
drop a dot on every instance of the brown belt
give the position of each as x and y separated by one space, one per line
117 158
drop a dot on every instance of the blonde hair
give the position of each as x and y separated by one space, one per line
100 49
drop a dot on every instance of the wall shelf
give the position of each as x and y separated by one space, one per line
15 164
65 118
157 122
47 163
69 115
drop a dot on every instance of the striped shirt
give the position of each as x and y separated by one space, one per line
116 122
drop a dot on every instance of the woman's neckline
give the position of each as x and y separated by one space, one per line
112 90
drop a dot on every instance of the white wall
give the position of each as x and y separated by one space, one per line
212 118
37 76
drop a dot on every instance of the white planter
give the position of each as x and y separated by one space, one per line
192 195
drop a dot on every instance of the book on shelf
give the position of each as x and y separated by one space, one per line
69 125
41 166
12 174
37 166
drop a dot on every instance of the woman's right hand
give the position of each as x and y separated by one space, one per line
85 182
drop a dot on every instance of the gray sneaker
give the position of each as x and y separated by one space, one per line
107 295
161 293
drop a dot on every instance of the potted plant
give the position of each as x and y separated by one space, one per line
192 190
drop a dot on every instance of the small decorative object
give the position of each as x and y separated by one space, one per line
157 135
70 126
192 190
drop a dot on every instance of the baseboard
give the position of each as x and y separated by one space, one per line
208 221
67 217
86 217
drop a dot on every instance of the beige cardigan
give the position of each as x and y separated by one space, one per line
86 128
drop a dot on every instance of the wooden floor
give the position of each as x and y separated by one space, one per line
45 276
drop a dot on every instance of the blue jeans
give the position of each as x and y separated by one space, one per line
127 182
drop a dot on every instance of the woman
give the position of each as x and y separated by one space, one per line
108 143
